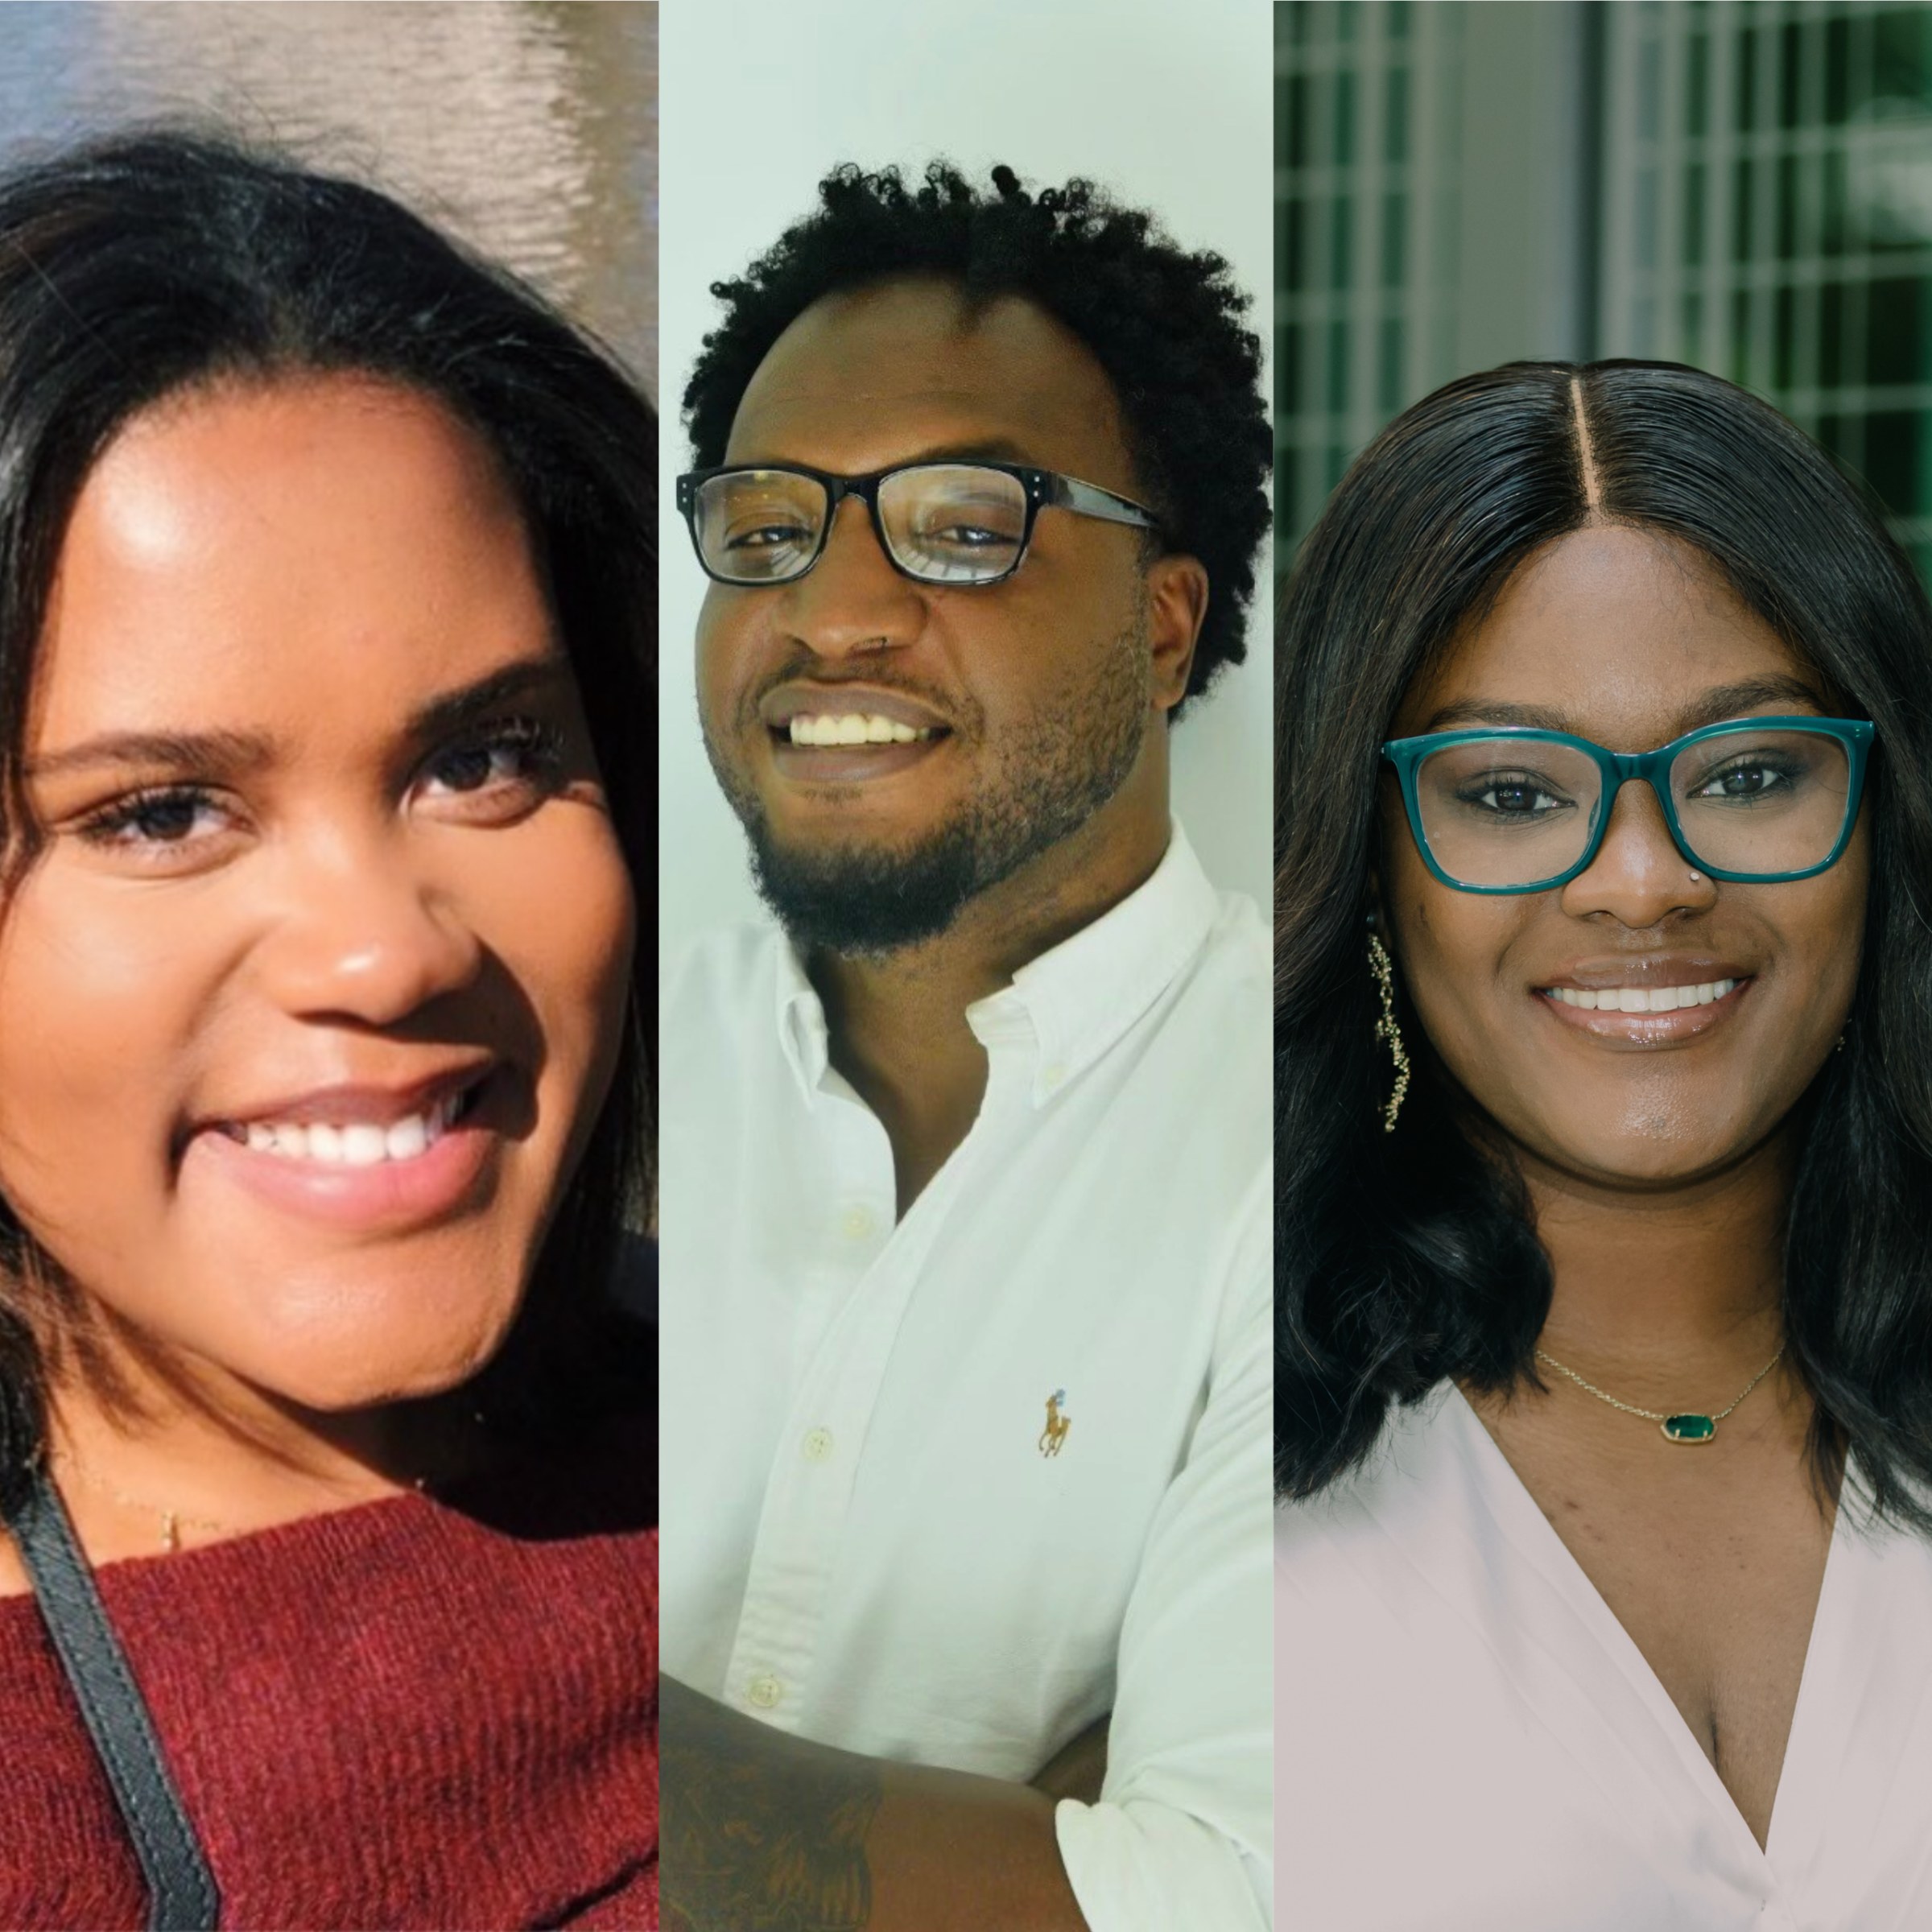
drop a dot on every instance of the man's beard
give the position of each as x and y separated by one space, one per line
1068 761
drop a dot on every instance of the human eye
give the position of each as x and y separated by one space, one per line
1517 796
168 827
754 511
947 527
498 774
974 520
961 532
774 531
1749 776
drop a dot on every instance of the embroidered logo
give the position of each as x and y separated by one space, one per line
1058 1423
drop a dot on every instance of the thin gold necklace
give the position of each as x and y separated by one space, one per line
1690 1425
172 1520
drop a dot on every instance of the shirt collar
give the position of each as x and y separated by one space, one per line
804 1036
1080 997
1073 1002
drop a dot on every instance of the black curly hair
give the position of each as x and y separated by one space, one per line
1164 324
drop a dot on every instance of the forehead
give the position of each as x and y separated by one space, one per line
900 368
1615 633
296 548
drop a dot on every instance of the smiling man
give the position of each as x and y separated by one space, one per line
966 1186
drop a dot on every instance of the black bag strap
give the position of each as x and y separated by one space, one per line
181 1888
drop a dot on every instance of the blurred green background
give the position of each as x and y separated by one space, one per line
1742 184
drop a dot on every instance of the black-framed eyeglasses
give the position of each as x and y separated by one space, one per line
1755 800
952 524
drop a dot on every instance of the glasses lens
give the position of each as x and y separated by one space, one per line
758 525
1762 802
954 523
1507 812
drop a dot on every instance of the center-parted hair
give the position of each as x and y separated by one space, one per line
1405 1258
147 266
1164 324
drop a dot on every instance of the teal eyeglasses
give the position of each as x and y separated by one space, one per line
1753 800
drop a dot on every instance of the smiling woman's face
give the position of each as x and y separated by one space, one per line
314 987
1628 639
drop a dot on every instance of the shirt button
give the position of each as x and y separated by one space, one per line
855 1223
818 1445
1053 1076
765 1691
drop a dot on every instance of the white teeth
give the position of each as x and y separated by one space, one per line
1642 999
354 1143
363 1146
852 727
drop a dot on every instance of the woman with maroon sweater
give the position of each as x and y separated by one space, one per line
327 593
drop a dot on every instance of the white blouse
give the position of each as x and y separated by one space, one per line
1467 1739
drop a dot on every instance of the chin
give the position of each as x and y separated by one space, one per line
346 1387
364 1351
1641 1152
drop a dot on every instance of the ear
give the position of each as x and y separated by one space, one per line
1177 605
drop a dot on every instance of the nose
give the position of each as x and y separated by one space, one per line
853 600
364 935
1638 877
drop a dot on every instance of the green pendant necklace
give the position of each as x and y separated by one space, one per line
1689 1427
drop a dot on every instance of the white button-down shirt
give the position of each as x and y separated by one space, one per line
876 1532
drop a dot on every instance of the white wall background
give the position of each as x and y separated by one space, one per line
1168 107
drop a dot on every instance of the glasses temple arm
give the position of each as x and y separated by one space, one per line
1090 500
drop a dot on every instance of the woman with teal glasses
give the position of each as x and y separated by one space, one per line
1604 1136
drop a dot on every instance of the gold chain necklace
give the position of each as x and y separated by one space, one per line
172 1520
1690 1426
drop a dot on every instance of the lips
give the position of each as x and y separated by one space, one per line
1653 1001
365 1157
778 708
432 1100
848 734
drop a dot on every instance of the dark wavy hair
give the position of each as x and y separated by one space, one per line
144 265
1164 324
1405 1258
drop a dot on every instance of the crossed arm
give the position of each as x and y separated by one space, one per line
766 1832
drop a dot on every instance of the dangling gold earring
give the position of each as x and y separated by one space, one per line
1386 1030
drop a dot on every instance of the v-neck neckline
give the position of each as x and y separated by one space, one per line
1511 1492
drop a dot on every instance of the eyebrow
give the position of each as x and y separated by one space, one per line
236 752
1710 707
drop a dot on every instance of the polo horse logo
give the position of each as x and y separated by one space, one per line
1057 1425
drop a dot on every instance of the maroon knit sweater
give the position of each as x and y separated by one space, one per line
396 1716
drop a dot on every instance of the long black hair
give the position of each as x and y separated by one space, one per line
1405 1258
143 266
1165 323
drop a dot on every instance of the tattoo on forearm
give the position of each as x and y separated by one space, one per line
762 1847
